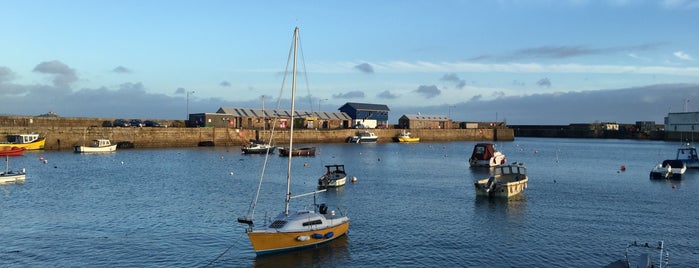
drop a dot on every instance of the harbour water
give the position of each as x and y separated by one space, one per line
413 205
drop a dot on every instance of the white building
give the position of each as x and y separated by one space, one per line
682 122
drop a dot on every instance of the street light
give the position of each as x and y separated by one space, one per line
319 100
188 92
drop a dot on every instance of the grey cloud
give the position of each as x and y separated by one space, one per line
6 74
63 75
349 95
544 82
428 91
387 95
365 68
563 52
121 70
225 84
453 78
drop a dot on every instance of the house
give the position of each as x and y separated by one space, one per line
682 122
231 117
414 121
366 115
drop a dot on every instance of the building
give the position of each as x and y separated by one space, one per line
682 126
230 117
415 121
365 115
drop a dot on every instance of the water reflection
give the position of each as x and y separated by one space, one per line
330 254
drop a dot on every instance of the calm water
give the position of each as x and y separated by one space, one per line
413 205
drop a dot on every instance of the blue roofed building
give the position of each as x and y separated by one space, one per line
366 115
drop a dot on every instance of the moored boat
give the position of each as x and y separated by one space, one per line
668 169
335 176
405 137
258 147
304 151
486 155
644 259
97 146
505 181
363 137
291 230
688 155
27 141
9 176
11 151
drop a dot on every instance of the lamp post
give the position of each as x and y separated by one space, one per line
188 93
319 100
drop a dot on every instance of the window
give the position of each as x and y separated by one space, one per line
315 222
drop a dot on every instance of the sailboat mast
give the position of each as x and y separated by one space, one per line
291 125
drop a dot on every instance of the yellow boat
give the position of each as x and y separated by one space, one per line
291 230
405 137
28 141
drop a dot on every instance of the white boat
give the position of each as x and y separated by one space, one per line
505 181
258 147
688 155
10 176
335 176
291 230
486 155
97 146
363 137
644 259
669 169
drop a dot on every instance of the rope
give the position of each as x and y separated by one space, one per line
219 256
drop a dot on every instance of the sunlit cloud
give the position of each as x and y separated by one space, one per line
683 56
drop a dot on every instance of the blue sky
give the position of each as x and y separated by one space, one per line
527 62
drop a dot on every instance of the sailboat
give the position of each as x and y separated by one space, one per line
12 176
256 146
291 230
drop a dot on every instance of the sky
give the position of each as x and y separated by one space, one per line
549 62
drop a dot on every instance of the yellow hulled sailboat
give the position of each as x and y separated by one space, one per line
292 230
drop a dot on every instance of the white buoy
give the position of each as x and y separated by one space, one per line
354 179
231 173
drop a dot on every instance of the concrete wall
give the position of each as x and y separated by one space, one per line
64 138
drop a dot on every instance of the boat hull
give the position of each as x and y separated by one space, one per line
507 181
12 151
258 150
404 139
505 190
267 242
89 149
311 151
12 178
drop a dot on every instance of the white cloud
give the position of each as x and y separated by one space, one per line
683 56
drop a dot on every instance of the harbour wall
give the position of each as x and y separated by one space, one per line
65 137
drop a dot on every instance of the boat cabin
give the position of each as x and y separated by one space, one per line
22 138
101 143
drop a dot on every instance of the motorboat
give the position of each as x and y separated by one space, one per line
405 137
486 155
644 259
11 151
363 137
97 146
669 169
29 141
292 230
335 176
9 176
505 181
688 155
303 151
258 147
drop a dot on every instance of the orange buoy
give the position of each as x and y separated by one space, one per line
623 168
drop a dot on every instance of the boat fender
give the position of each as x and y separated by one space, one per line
303 238
329 235
317 236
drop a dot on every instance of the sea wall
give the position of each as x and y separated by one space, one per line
65 137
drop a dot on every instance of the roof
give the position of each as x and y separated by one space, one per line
367 106
426 117
247 112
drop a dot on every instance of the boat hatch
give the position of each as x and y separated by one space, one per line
315 222
277 224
